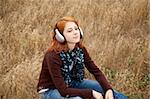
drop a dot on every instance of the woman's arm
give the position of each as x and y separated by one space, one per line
92 68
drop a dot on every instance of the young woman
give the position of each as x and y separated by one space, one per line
62 74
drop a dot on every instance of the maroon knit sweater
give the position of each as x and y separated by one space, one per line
51 77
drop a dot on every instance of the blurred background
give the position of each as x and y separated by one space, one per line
116 34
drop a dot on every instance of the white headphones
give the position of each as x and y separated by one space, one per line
61 38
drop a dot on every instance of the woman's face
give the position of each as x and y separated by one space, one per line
71 33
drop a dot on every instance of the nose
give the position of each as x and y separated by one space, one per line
75 32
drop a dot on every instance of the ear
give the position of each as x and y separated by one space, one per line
81 31
59 37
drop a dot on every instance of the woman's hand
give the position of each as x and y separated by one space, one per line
97 95
109 94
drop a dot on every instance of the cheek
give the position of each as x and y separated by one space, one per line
78 33
67 37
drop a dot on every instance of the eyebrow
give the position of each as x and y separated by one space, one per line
71 27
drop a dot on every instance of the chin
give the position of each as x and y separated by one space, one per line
77 41
74 41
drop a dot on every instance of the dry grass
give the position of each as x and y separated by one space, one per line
116 35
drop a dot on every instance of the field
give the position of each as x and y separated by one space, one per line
116 34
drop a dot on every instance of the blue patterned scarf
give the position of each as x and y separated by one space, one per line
73 65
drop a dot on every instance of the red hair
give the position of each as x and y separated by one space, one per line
56 45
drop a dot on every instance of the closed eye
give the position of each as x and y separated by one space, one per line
76 28
69 30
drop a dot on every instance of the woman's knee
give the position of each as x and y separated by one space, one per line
75 97
52 94
96 86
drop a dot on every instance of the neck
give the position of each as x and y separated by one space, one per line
71 46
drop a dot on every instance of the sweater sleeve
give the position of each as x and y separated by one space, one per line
54 62
93 69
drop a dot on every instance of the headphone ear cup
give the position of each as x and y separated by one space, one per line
81 32
59 37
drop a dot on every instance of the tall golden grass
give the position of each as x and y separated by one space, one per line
116 34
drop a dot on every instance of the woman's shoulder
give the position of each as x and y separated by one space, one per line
84 49
52 56
51 53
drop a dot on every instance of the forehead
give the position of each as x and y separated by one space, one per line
70 24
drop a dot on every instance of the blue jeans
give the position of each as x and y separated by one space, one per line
85 84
